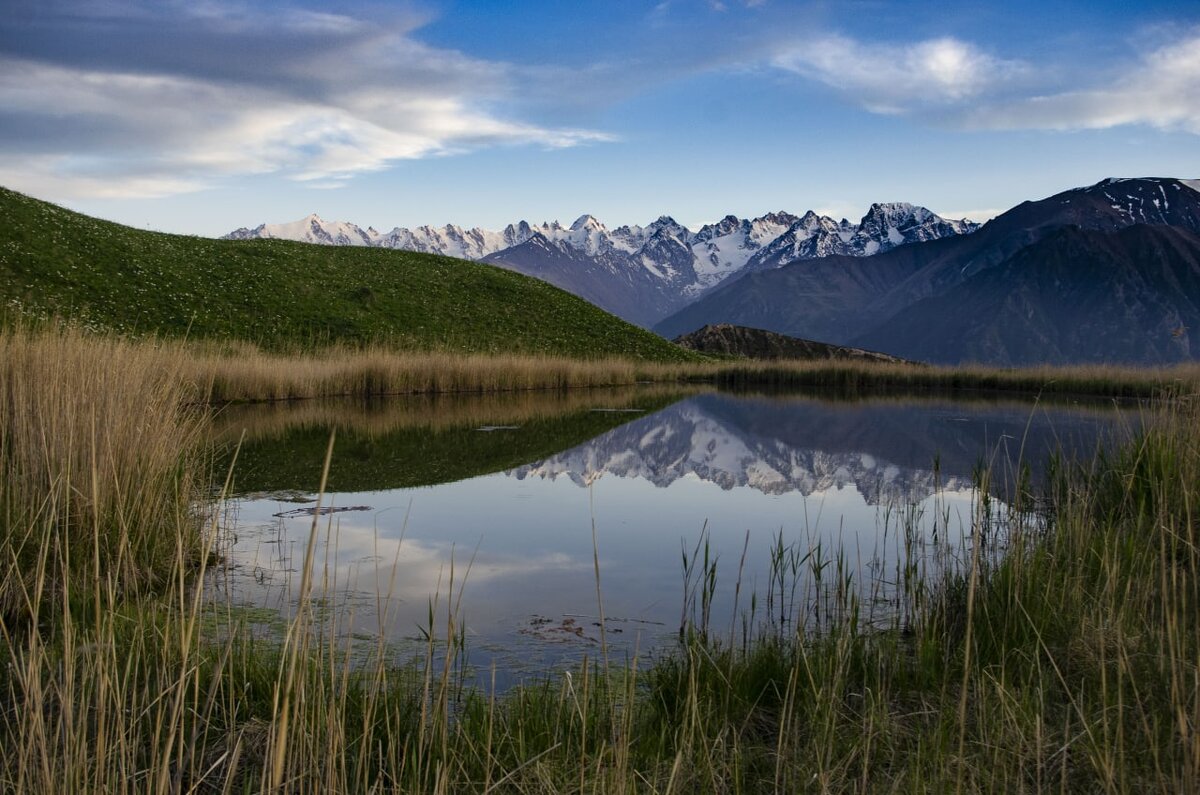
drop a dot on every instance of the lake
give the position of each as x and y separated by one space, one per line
501 510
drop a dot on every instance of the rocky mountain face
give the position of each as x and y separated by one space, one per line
1106 273
642 273
1075 296
884 227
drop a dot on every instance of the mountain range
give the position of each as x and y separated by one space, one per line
642 273
1106 273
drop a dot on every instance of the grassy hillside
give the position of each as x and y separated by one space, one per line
54 262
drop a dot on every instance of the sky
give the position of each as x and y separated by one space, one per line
201 116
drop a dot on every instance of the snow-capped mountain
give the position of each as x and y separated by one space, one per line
311 229
884 227
450 240
641 273
724 248
1109 272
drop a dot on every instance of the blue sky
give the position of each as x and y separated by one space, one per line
206 115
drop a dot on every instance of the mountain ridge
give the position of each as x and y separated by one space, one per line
847 302
641 273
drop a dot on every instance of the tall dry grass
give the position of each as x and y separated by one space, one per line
98 472
258 375
246 373
1083 380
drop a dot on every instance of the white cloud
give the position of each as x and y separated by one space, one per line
961 86
1162 90
318 97
888 78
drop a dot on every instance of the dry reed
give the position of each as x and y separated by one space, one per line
375 371
97 462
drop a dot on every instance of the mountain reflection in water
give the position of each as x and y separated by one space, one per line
521 508
885 449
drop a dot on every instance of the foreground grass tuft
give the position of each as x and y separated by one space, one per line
98 468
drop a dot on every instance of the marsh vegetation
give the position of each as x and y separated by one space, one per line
1067 663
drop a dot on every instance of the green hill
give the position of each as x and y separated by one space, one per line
54 262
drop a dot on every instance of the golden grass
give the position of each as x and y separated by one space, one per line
245 373
257 375
1082 380
97 466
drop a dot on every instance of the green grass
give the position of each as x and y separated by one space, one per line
55 263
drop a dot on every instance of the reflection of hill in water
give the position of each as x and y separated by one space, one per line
886 450
406 442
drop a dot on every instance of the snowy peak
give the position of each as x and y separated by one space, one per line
657 267
724 248
897 223
310 229
586 222
1145 200
885 226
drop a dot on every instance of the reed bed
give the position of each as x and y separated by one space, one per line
1056 649
97 464
855 377
254 375
262 376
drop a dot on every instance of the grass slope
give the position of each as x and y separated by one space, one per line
54 262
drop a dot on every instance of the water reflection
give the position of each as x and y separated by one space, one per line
517 506
886 449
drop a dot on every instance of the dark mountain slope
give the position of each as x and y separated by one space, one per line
842 300
813 299
607 278
1075 296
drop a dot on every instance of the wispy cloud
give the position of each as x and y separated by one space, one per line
142 98
1160 89
957 84
891 78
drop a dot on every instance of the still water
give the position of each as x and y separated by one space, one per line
503 509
